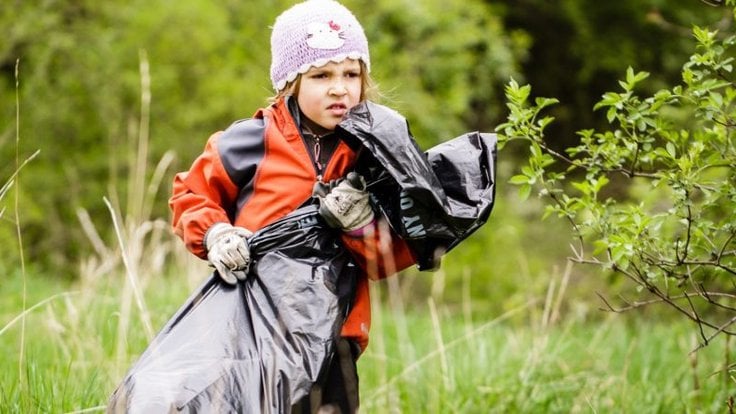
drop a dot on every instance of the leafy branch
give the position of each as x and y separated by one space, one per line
652 197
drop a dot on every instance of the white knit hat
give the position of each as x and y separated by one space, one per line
311 34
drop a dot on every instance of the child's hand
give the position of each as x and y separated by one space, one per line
227 250
347 206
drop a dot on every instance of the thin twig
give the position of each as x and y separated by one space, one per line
698 320
641 304
719 330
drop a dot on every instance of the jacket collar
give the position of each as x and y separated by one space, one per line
284 114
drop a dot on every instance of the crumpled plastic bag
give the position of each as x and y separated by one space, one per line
433 199
260 346
256 347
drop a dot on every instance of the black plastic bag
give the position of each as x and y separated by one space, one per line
256 347
261 346
433 200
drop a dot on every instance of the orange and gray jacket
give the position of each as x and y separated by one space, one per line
258 171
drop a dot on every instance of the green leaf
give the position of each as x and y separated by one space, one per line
519 179
527 171
600 183
611 114
608 99
582 186
671 150
542 103
524 191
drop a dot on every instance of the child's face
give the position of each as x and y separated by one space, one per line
327 93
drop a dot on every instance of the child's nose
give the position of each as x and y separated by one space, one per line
338 87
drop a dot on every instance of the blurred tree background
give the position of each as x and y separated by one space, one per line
84 66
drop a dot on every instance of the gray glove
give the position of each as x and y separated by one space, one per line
227 251
347 205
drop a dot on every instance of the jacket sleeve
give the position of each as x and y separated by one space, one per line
199 197
379 251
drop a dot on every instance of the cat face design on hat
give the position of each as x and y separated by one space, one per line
324 35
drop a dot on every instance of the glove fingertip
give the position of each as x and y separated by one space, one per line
228 279
241 274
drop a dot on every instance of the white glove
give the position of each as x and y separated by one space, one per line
227 251
347 206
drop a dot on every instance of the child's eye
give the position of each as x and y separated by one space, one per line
353 74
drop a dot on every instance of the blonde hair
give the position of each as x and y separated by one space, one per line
368 90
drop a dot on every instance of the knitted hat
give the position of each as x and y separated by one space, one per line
311 34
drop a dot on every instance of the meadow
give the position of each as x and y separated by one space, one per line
489 332
73 343
500 328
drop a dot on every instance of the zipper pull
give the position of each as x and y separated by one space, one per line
317 150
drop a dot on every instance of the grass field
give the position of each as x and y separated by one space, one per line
75 342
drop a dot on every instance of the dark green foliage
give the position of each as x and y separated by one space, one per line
87 69
580 48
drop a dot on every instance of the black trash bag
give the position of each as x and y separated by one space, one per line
260 346
256 347
433 200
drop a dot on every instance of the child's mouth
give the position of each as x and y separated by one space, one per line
338 109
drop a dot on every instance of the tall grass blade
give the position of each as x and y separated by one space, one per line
25 312
131 274
17 223
437 329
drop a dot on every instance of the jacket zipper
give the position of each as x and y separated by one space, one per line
317 148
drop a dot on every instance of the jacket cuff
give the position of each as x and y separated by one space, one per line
213 231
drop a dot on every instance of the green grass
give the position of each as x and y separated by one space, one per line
609 365
425 359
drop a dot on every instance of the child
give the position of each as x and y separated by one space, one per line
263 168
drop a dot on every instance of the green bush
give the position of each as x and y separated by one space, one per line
652 199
